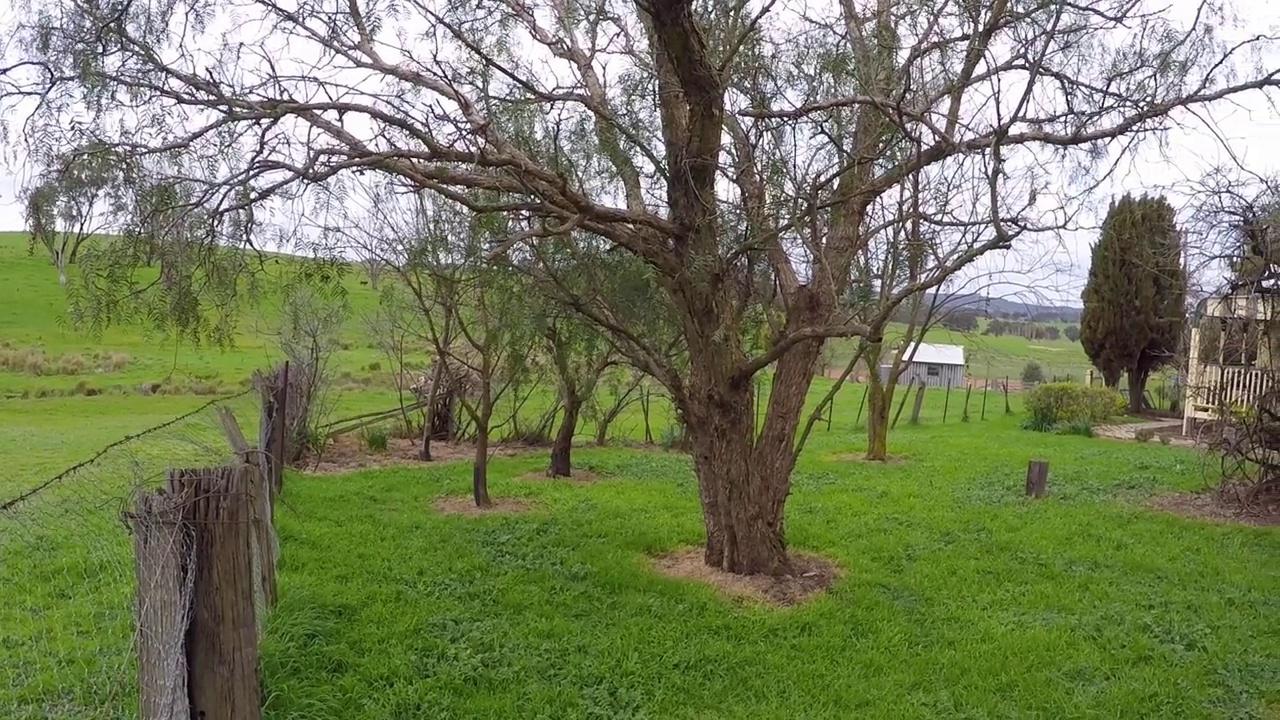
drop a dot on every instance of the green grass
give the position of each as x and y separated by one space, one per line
959 597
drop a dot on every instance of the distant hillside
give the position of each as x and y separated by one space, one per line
994 307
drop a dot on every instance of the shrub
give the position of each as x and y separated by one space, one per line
374 366
1083 428
1058 403
1032 373
375 438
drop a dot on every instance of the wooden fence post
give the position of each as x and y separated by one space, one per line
946 401
1037 477
915 407
264 545
986 385
1007 409
281 429
968 389
222 643
162 545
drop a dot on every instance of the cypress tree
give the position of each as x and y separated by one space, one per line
1133 300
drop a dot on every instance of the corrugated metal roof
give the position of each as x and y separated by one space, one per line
937 354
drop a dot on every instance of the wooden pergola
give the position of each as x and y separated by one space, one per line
1234 352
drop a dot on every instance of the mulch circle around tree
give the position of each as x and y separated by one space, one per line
1214 506
811 575
466 505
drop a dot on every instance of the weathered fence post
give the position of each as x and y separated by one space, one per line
946 401
222 643
1007 409
986 385
162 545
264 540
1037 477
915 407
280 428
968 389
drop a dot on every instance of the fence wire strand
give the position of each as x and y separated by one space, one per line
67 573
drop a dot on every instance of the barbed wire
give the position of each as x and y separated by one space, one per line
67 570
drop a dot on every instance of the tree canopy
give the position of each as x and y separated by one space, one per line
1135 295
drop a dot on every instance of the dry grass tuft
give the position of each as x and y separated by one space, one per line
35 361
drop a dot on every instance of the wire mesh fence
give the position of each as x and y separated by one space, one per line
67 571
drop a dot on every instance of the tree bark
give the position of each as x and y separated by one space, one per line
429 413
480 465
877 423
1137 389
744 480
562 448
878 401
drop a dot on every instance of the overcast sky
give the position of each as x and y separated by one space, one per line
1251 130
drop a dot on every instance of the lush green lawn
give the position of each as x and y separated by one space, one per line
959 599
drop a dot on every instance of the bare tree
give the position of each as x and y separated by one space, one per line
309 335
735 150
396 328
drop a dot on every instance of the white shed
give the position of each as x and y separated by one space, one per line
937 365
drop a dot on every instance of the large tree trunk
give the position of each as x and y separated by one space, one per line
562 447
743 481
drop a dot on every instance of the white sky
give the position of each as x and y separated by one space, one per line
1250 128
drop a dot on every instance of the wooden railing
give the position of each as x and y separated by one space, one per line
1213 387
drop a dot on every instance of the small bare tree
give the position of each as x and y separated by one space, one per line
309 333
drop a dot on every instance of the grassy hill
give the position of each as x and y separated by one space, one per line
41 352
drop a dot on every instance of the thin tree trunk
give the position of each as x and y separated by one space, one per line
1137 385
877 424
878 401
429 415
480 466
562 449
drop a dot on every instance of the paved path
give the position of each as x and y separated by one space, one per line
1170 427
